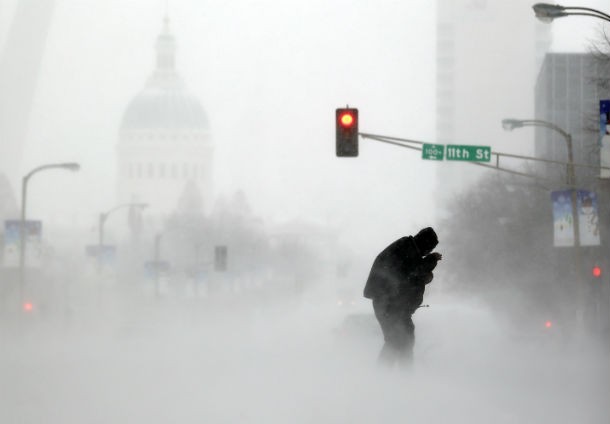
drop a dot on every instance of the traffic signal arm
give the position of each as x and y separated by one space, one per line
418 145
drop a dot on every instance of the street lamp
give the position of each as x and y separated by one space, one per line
70 166
102 220
510 124
546 12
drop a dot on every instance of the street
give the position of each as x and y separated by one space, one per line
229 359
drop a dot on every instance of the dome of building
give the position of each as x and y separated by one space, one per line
167 109
164 140
165 103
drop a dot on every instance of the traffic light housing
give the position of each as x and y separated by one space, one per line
220 258
346 122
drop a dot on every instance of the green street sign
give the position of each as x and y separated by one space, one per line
468 153
433 151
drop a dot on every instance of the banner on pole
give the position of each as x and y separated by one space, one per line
588 218
156 269
563 223
105 255
12 243
604 137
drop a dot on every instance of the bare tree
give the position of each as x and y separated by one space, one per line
600 50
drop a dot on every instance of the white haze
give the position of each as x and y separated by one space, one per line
117 357
269 74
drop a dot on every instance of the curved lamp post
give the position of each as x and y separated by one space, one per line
70 166
546 12
510 124
102 220
104 217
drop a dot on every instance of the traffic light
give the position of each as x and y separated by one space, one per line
220 258
346 121
596 271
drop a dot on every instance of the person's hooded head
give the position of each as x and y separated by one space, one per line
426 240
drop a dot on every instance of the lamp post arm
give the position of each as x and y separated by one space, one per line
571 174
117 208
546 124
71 166
104 216
38 169
588 12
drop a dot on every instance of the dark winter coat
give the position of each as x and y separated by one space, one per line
399 274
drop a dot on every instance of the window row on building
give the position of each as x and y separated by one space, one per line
164 136
165 170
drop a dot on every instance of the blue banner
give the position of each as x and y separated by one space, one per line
588 218
154 269
604 137
12 242
563 222
105 254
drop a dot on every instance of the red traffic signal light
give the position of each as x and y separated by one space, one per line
346 122
597 271
347 119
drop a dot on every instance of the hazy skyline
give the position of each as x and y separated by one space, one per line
269 75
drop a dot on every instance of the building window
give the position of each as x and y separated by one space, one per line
174 170
151 170
185 171
139 170
161 170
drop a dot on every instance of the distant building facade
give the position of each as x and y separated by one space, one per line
164 144
567 95
488 56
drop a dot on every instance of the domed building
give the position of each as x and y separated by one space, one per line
164 139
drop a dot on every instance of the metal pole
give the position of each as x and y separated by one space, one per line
22 234
102 220
157 255
22 241
101 229
101 242
579 269
571 177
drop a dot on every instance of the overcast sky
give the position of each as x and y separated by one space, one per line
269 74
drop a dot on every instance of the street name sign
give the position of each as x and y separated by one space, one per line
433 151
468 153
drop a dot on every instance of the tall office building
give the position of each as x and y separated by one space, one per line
567 95
488 56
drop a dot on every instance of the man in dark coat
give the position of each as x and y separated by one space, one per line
396 285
